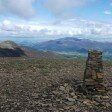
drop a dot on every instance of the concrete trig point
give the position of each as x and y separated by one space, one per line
93 76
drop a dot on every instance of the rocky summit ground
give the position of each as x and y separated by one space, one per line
50 85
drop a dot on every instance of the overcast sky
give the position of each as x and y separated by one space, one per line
50 19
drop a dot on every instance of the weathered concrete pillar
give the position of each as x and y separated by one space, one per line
93 76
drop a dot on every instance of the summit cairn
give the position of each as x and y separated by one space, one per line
93 76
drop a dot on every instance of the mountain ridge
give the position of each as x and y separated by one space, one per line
71 44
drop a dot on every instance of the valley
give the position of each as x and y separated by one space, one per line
74 46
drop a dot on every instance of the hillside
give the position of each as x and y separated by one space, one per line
32 53
11 49
76 45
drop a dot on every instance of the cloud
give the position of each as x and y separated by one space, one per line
71 27
107 12
21 8
58 6
26 9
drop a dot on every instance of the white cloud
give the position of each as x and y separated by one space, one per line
26 9
71 27
6 22
22 8
58 6
107 12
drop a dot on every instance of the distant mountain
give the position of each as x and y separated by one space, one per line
11 49
76 45
27 42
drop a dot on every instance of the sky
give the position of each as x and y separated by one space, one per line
50 19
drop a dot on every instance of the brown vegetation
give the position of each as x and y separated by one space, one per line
40 85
